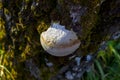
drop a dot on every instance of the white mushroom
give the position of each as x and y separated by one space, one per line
59 41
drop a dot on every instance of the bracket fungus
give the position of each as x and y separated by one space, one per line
59 41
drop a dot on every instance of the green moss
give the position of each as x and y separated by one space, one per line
2 30
42 27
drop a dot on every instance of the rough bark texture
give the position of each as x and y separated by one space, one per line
22 21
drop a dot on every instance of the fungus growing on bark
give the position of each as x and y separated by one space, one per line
59 41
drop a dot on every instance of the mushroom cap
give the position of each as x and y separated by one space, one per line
59 41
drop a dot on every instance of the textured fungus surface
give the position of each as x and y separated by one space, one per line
59 41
